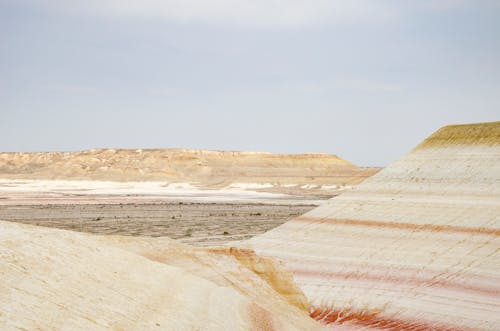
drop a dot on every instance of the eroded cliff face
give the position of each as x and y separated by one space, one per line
203 168
415 247
61 280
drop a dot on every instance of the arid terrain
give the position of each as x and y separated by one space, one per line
413 247
125 208
279 173
197 197
195 223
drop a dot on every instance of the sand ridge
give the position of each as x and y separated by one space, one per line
62 280
414 247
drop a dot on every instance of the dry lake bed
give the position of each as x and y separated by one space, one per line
196 217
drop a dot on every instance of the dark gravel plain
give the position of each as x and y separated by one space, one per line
195 223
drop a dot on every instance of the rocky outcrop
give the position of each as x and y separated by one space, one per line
415 247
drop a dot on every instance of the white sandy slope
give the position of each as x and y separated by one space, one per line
415 247
61 280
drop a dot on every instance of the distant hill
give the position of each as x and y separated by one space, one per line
200 167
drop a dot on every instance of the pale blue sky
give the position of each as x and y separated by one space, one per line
366 80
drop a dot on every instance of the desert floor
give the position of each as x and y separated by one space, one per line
195 223
196 217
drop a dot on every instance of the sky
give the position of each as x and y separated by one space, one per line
363 79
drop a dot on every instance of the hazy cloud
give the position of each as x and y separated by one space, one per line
369 85
257 13
365 85
245 13
70 89
166 91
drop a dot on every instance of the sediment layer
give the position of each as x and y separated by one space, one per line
415 247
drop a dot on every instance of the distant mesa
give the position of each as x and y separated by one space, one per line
214 169
414 247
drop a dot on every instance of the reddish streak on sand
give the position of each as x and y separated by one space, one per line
402 226
363 319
